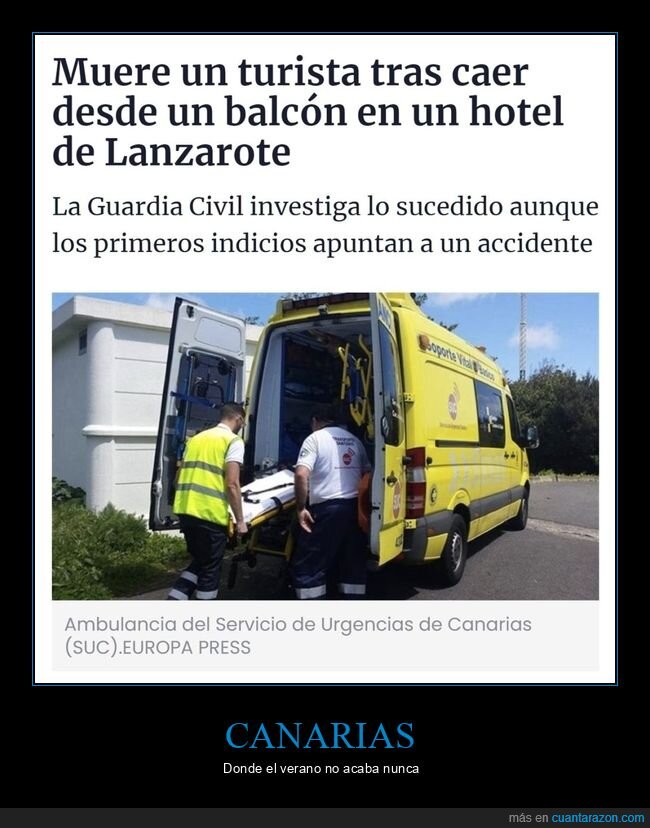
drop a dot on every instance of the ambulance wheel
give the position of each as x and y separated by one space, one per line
454 555
519 521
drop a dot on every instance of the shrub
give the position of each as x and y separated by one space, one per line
119 534
107 554
75 570
62 492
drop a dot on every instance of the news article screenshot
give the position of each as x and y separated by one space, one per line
325 367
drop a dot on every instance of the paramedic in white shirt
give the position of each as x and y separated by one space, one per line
330 465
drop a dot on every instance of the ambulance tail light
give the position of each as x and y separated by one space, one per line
416 483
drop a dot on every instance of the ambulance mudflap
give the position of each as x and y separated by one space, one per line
388 494
205 369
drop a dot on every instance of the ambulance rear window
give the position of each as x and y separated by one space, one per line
491 422
392 418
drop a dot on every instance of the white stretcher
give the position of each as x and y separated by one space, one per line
267 497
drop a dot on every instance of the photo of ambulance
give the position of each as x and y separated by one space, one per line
435 414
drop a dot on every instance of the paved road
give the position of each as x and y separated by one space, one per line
555 558
575 504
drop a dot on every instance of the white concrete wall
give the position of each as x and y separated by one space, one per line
125 377
139 357
107 404
69 413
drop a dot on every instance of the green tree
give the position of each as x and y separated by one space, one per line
420 299
564 407
450 326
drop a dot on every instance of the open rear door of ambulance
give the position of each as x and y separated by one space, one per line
205 369
388 495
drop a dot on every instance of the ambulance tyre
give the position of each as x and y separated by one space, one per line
519 521
454 555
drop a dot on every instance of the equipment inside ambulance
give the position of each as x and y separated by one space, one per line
434 413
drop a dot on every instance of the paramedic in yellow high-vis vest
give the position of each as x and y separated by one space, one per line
207 483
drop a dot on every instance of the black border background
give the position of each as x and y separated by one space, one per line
569 746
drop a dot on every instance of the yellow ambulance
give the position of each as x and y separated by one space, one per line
435 414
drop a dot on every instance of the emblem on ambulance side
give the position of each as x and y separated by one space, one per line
452 402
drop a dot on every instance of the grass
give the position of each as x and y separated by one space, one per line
550 476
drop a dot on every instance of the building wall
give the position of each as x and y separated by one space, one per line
140 355
106 410
70 396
